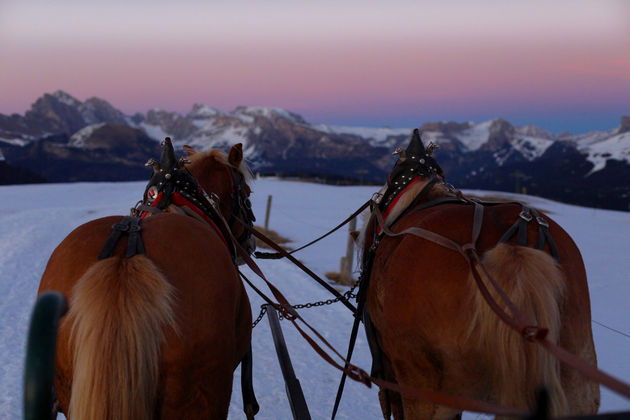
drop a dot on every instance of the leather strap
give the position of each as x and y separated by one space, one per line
278 255
519 227
285 254
131 226
544 236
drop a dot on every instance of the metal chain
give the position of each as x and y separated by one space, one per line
348 295
263 310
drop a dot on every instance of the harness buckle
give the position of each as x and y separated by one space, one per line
126 226
134 228
542 222
123 227
525 215
377 197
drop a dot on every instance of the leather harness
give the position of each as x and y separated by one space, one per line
172 183
381 230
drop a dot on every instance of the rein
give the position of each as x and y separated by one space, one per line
278 255
304 268
354 372
349 370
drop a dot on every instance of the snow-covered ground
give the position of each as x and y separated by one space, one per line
35 218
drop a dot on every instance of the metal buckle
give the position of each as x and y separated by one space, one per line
525 215
212 198
542 222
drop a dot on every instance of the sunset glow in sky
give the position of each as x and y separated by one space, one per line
562 65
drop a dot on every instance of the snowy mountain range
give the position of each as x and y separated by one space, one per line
63 139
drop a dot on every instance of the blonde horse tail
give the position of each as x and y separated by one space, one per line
118 313
535 283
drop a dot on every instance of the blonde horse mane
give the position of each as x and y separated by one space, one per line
118 313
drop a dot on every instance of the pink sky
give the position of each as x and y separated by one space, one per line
561 65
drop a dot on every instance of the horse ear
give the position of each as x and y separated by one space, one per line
189 151
236 155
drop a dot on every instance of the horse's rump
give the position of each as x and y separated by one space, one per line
440 334
179 312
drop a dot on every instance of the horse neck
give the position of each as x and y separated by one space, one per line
438 190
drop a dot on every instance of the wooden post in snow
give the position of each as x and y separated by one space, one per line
267 213
345 271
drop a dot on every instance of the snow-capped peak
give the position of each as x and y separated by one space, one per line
616 147
78 138
376 136
267 112
531 130
474 137
65 98
201 111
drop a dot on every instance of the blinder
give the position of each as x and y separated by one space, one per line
242 211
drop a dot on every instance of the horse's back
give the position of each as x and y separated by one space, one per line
211 311
190 254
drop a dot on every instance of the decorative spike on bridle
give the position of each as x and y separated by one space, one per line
154 163
399 151
431 147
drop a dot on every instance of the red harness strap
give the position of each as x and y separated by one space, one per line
156 201
179 200
393 203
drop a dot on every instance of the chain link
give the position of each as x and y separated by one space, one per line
263 310
348 295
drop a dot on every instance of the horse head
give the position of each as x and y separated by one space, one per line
202 184
226 178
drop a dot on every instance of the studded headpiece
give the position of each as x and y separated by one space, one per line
414 162
169 175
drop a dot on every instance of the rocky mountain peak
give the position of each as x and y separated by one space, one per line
270 113
66 98
202 112
171 123
57 112
500 134
95 110
531 130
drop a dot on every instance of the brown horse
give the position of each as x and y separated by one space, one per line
157 335
434 329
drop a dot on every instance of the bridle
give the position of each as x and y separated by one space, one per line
172 183
241 210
